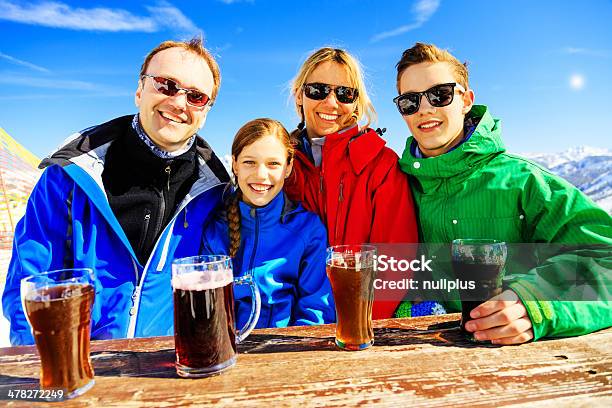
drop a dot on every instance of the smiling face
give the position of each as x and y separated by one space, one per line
436 130
169 120
327 116
261 169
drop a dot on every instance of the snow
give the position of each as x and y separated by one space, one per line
573 154
588 168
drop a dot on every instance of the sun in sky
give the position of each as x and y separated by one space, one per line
576 82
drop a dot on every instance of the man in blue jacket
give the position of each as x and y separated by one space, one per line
125 198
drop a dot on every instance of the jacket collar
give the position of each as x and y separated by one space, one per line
362 146
458 164
269 215
88 148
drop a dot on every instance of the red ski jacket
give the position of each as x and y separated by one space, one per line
359 192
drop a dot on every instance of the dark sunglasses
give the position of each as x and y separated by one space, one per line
169 87
319 92
438 96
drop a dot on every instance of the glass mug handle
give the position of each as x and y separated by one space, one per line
252 321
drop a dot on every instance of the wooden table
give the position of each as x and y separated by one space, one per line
414 362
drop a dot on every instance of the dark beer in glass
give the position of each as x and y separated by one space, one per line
205 334
481 261
58 307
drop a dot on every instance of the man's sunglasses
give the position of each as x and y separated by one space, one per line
438 96
169 87
319 92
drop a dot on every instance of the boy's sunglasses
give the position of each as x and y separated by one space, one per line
169 87
319 92
438 96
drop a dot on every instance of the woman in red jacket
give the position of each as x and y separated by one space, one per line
343 171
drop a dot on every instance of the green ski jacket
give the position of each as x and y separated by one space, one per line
479 191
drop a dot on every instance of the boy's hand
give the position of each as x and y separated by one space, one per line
501 321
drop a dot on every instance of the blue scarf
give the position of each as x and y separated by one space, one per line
469 125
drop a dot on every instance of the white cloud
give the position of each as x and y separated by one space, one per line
60 15
48 83
585 51
72 95
236 1
23 63
223 47
165 14
576 82
66 88
422 12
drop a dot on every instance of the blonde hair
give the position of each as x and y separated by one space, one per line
363 106
421 52
195 45
249 133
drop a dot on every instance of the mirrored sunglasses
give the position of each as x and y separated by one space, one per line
319 92
438 96
169 87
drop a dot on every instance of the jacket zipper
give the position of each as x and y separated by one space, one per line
131 331
162 204
145 229
254 215
339 210
168 170
322 195
136 294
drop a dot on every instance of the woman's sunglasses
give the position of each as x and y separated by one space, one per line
438 96
319 92
169 87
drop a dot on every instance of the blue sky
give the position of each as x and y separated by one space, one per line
542 67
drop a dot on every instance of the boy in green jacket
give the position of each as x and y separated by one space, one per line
465 185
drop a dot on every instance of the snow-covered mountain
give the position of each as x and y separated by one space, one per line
588 168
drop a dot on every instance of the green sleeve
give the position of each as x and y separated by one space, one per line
568 294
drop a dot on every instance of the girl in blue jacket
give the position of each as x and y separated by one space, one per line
270 237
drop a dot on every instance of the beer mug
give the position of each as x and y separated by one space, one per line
481 261
58 306
205 334
350 269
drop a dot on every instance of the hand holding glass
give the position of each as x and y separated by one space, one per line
483 261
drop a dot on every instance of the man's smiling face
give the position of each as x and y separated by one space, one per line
169 120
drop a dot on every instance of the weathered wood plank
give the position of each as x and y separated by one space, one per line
417 362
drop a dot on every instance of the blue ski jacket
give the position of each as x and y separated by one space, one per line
69 223
283 249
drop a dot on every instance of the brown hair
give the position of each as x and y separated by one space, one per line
421 52
246 135
195 45
363 107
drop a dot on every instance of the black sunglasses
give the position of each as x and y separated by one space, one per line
319 92
169 87
438 96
